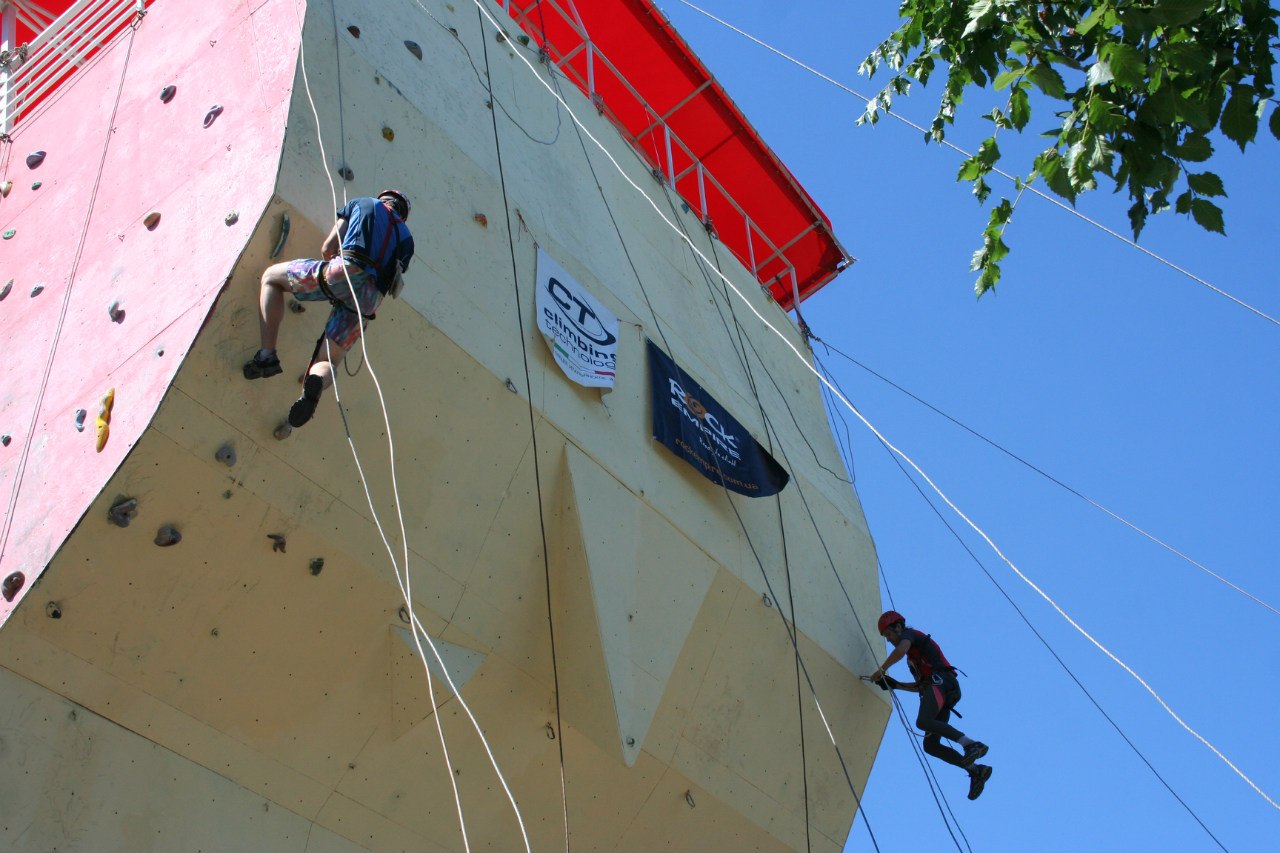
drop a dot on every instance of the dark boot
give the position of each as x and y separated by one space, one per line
305 407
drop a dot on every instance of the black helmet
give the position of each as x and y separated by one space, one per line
399 200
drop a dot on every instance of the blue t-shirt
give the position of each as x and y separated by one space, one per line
375 232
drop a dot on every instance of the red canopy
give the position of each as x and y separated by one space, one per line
626 56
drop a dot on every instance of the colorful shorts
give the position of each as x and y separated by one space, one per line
343 326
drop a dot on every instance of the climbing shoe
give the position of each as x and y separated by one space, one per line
305 407
973 752
260 368
978 777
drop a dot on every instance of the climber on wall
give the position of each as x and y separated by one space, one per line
935 681
360 261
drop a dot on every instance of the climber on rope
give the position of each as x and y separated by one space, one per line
935 681
361 261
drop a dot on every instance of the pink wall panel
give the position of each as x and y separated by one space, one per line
240 55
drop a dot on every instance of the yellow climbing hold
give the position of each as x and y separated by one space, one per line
388 134
104 419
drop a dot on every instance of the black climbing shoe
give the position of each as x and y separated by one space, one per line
305 407
978 777
260 368
973 752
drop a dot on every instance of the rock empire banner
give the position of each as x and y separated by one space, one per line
699 430
582 333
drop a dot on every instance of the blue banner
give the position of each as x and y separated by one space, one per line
696 428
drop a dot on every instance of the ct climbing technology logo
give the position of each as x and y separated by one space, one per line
699 430
582 333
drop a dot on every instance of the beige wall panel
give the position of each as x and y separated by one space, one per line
668 822
648 583
92 688
81 783
405 779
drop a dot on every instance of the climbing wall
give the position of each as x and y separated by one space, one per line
130 195
228 598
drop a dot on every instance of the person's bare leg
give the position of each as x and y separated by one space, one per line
318 378
330 357
275 284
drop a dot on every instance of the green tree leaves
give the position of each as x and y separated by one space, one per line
1142 88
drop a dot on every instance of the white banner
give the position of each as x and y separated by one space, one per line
582 333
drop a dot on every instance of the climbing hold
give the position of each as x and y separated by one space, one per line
284 235
123 511
160 352
688 798
151 220
317 566
413 48
5 439
481 220
403 613
37 290
500 37
388 134
232 218
5 189
8 235
115 312
523 39
104 418
226 455
277 542
346 173
52 610
35 185
212 115
283 431
34 159
511 386
4 291
354 30
81 414
12 585
297 307
167 93
168 535
768 602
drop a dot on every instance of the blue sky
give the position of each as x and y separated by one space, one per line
1124 379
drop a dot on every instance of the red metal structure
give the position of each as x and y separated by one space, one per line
639 72
43 42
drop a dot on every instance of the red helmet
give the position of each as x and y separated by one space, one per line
403 206
889 617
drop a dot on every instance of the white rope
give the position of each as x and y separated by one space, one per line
712 267
416 626
584 129
462 824
1024 186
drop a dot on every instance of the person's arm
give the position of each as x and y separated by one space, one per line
898 653
332 245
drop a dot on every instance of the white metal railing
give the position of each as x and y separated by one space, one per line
31 71
760 251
